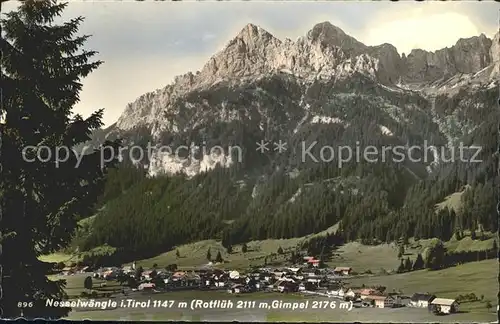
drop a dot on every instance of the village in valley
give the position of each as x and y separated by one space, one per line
357 281
308 277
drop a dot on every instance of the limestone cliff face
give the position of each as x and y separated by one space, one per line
468 55
472 54
495 48
495 57
390 63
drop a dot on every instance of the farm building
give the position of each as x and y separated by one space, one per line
445 306
381 301
421 300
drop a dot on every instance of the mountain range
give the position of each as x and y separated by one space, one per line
325 88
326 55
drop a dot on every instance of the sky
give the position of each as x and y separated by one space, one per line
144 45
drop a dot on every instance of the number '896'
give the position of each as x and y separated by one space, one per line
24 304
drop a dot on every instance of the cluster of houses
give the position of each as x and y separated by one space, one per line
305 278
325 282
370 297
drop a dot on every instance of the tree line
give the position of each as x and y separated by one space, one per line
438 257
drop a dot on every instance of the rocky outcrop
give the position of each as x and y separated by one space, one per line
472 54
255 52
468 55
495 57
390 63
251 52
495 48
330 35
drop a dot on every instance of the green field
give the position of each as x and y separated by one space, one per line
358 256
480 278
394 315
74 285
378 259
128 316
194 254
59 257
363 257
384 256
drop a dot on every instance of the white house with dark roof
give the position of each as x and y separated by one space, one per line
421 300
381 301
339 292
445 305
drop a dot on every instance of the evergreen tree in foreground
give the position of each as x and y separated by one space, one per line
41 202
401 267
419 262
408 264
219 258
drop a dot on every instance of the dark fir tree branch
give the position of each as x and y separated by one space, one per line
42 68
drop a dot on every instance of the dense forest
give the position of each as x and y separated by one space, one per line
146 216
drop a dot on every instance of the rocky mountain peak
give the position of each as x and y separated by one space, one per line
255 51
325 30
253 40
246 54
253 33
332 35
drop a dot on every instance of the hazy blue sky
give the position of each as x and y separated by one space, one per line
145 44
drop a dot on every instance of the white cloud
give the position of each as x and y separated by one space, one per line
426 27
